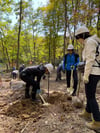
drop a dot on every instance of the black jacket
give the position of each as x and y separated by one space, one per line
36 72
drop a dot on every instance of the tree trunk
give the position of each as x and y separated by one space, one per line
18 50
5 55
65 27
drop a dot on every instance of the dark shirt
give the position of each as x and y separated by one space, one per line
36 71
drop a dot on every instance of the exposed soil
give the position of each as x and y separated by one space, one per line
20 115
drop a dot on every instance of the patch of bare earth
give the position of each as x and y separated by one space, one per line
20 115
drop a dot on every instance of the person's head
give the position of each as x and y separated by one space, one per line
70 49
49 68
82 33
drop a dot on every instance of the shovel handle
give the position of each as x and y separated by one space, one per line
42 99
48 85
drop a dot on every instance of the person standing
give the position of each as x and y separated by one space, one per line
14 74
70 63
32 76
59 69
91 77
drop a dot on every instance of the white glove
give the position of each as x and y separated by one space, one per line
85 79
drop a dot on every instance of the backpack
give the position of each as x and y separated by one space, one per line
98 53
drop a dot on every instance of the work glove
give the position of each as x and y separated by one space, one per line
85 79
72 67
44 77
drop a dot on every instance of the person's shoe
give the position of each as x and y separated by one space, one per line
73 94
94 125
33 96
27 95
85 115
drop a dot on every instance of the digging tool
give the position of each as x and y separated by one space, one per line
43 101
48 85
72 68
71 86
79 83
78 101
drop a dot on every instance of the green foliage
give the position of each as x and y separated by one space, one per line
40 39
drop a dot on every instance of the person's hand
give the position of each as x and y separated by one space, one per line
72 67
44 77
85 79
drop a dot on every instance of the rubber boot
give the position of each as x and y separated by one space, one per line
85 115
94 125
33 96
27 93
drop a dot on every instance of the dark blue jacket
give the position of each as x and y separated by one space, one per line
70 60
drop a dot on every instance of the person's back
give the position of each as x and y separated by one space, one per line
34 71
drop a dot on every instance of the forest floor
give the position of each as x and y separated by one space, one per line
20 115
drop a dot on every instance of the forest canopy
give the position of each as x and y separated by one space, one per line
42 35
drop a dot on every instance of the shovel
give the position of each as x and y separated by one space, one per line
43 101
78 101
48 85
70 90
79 84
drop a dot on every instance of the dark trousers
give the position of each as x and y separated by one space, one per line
30 82
75 78
58 76
14 75
90 90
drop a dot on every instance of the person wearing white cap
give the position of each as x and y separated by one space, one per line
70 62
32 76
91 56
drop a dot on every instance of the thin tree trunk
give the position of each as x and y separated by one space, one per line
49 48
65 27
5 54
8 57
18 50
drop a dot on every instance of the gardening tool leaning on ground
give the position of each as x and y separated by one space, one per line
70 90
78 101
39 92
80 67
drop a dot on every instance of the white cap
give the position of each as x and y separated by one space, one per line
70 47
49 67
81 30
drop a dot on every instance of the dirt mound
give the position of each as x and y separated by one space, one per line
57 97
24 109
20 115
